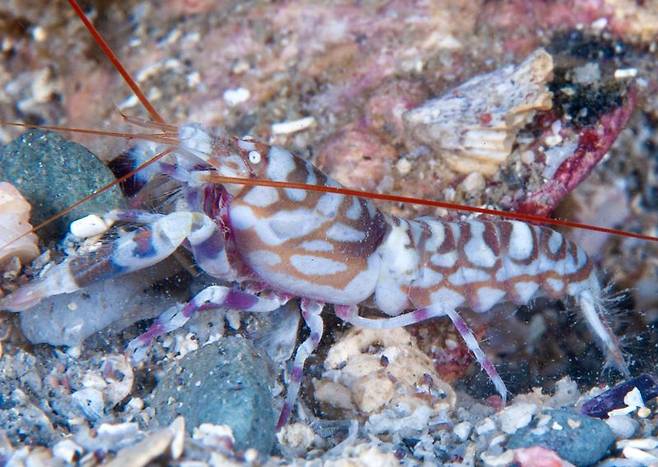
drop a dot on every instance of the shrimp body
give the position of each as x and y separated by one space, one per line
271 244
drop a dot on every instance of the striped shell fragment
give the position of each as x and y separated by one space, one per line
270 245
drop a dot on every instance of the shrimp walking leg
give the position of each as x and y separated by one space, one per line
311 313
212 297
349 314
591 310
471 342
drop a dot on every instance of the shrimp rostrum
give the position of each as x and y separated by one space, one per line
272 244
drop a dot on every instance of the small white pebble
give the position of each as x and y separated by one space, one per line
462 430
556 426
556 127
91 402
250 455
473 182
72 306
599 24
516 416
643 443
193 79
496 460
527 157
496 440
640 456
573 424
296 436
293 126
587 74
451 344
622 426
177 428
553 140
485 426
88 226
236 96
643 412
403 166
67 450
39 34
136 404
633 401
625 73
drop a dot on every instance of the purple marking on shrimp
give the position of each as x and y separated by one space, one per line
489 368
156 329
210 248
189 309
343 311
421 314
240 300
285 414
168 169
461 326
143 240
315 337
296 374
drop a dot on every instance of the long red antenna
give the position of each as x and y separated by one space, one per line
102 43
215 178
164 138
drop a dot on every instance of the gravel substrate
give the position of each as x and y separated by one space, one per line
555 89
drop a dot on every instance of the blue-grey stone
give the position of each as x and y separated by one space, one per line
53 173
576 438
224 383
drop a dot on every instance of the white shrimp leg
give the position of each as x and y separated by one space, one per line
472 344
591 310
311 313
349 314
209 298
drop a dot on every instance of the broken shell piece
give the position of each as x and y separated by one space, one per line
371 370
14 222
474 126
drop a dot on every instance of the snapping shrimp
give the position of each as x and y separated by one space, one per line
327 248
275 243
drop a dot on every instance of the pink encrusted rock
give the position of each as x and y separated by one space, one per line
517 22
389 102
538 456
592 144
356 158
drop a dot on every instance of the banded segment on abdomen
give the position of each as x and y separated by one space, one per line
481 263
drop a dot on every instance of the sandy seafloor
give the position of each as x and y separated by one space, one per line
344 73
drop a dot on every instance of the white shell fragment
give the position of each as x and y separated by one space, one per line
633 401
89 226
294 126
14 222
360 378
474 126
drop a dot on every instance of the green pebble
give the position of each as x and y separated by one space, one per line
53 173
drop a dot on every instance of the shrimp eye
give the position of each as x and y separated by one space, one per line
254 157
